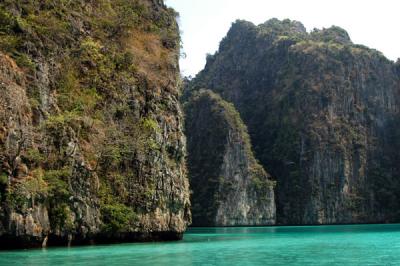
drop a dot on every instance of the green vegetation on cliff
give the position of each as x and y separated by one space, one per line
229 186
319 111
90 146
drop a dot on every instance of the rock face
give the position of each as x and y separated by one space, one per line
91 130
229 186
322 114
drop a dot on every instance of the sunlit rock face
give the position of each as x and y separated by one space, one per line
229 187
91 131
322 114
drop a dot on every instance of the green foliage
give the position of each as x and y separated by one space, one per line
3 184
52 28
332 34
117 218
100 67
60 214
119 17
3 179
7 22
125 61
15 199
285 27
21 195
57 183
73 97
149 128
61 217
105 191
90 50
128 14
149 125
9 43
121 145
57 126
116 148
34 156
261 183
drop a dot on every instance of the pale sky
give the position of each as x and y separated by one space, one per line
203 23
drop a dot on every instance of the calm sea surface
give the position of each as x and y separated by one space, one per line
310 245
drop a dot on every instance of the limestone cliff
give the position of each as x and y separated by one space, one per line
229 186
322 114
91 130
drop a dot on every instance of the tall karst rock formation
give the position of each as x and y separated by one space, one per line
91 130
322 114
229 186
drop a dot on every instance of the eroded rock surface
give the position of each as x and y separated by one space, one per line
322 114
91 131
230 187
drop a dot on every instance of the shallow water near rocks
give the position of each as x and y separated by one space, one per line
294 245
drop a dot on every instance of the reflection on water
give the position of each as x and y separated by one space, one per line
306 245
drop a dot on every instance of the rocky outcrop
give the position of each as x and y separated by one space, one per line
229 186
322 115
91 131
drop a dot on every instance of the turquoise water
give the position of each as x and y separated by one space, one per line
310 245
